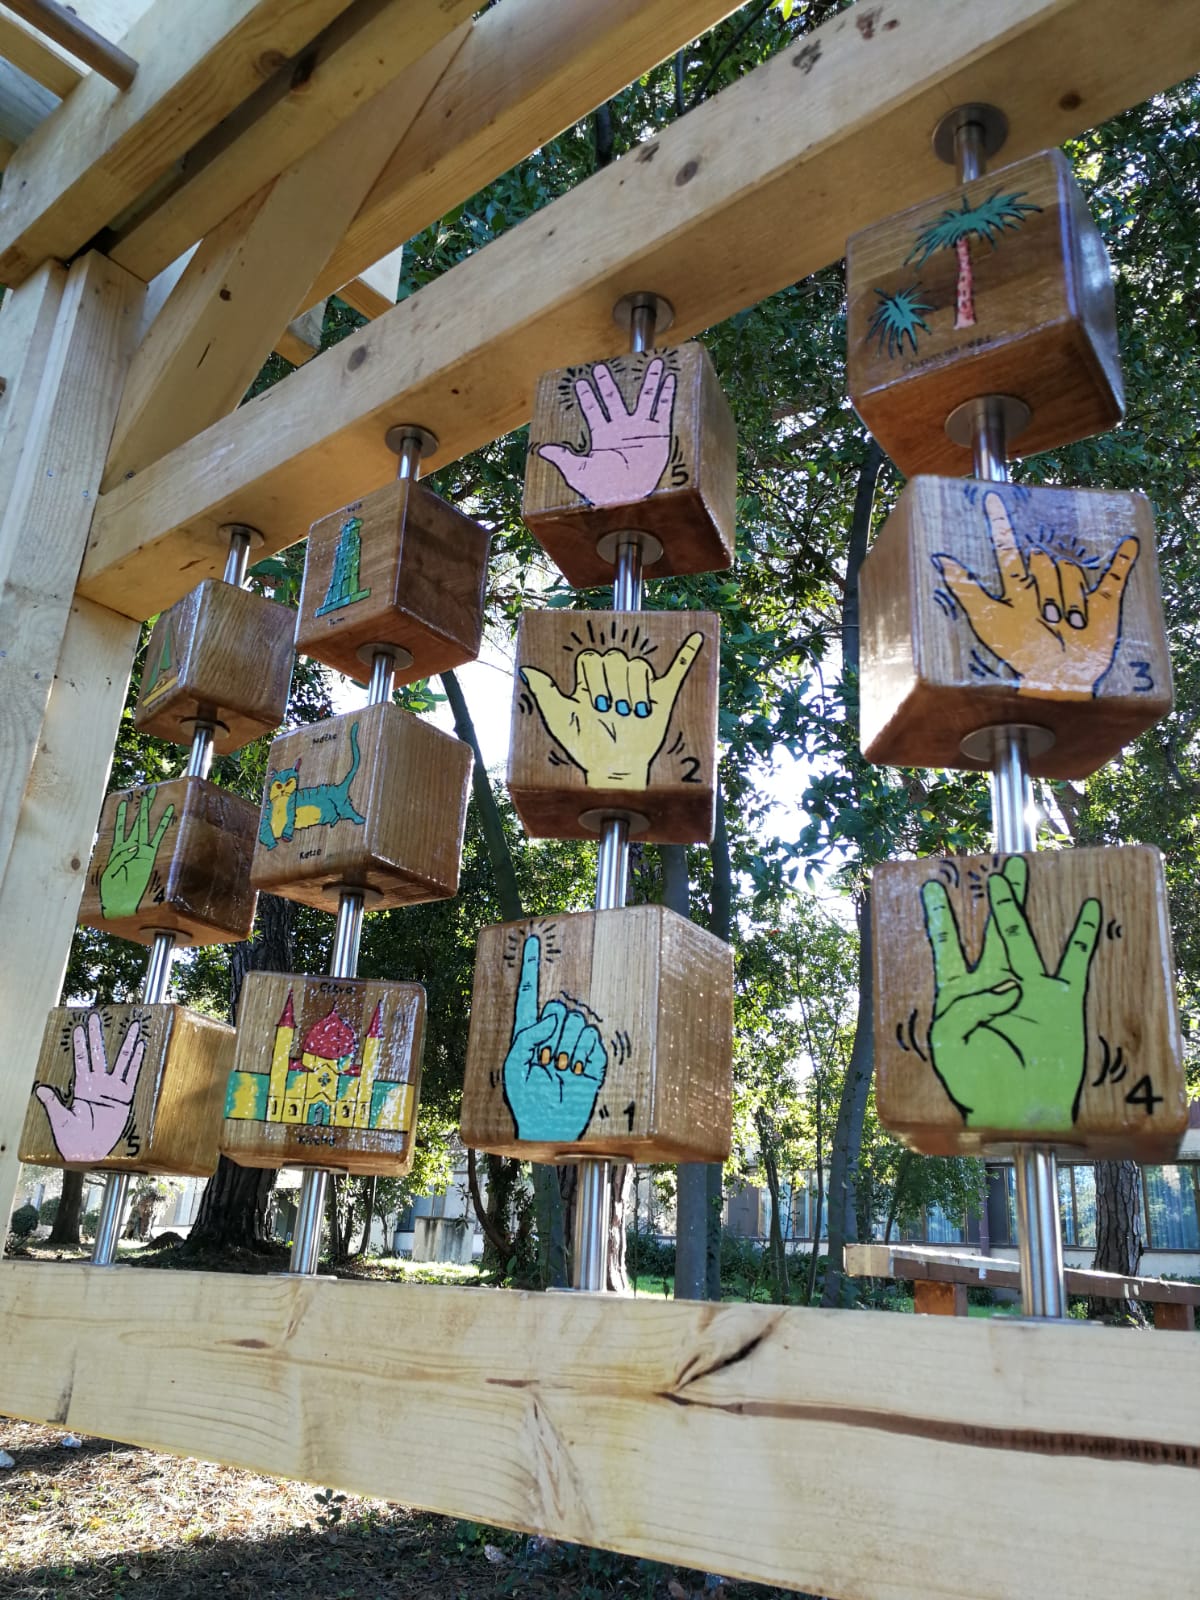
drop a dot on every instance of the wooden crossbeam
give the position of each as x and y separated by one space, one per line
842 1453
365 51
753 190
42 60
101 148
62 27
997 1272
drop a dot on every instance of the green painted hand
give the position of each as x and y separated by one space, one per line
131 859
1009 1038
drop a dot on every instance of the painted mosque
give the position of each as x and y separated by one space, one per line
320 1083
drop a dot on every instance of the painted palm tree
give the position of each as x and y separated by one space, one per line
896 318
954 230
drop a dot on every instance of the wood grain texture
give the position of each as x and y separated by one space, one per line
998 1272
599 1420
387 818
101 148
574 750
465 353
172 1095
174 856
1053 1016
661 459
990 604
601 1033
327 1073
220 654
1022 306
401 567
38 56
933 1299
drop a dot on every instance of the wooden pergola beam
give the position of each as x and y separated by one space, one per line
838 1452
101 147
39 58
755 189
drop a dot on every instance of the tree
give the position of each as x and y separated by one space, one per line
955 229
64 1230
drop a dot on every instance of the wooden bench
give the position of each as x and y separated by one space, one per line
941 1280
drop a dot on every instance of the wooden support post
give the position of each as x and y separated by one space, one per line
742 1439
933 1299
464 354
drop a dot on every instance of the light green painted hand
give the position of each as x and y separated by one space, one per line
1008 1038
131 859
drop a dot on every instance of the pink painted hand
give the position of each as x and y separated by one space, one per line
89 1129
628 449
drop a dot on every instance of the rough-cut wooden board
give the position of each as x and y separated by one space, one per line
39 57
847 1454
367 48
786 162
936 1266
102 147
40 889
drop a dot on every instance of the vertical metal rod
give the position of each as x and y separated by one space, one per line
310 1214
383 678
347 934
200 755
238 558
408 463
589 1266
969 151
1039 1225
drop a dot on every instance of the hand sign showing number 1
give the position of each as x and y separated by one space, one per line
555 1064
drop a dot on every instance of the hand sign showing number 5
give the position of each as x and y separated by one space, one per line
1056 633
91 1126
628 449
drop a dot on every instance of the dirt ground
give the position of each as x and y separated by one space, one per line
105 1521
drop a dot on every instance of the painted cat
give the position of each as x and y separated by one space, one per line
287 806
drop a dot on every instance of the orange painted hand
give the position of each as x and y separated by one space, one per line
628 449
91 1126
615 722
1057 633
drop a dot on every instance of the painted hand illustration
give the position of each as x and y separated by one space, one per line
131 859
555 1064
1058 635
628 449
614 723
1008 1037
91 1127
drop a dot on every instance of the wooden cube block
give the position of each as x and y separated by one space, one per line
601 1033
1028 997
220 655
398 567
641 442
1001 286
173 856
374 800
991 603
130 1088
616 711
327 1073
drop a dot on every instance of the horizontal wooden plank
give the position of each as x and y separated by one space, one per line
997 1272
843 1453
749 192
42 60
62 27
526 71
364 51
102 147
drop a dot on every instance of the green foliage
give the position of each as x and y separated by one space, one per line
23 1221
896 318
997 214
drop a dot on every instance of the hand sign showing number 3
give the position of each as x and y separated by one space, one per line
628 449
1058 635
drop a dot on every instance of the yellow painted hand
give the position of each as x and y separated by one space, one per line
614 723
1056 633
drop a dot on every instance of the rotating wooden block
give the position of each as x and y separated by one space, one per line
221 655
1001 286
1028 998
129 1088
984 604
327 1073
642 442
374 800
616 711
398 567
601 1033
173 856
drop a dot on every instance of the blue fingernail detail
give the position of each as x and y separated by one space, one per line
641 709
622 708
602 702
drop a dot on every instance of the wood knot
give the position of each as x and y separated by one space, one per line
686 173
357 357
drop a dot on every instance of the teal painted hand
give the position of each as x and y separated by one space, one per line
1009 1038
555 1064
131 859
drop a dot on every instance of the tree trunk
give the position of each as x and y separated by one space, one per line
65 1227
236 1201
778 1250
1120 1234
964 315
620 1189
547 1196
368 1214
820 1206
